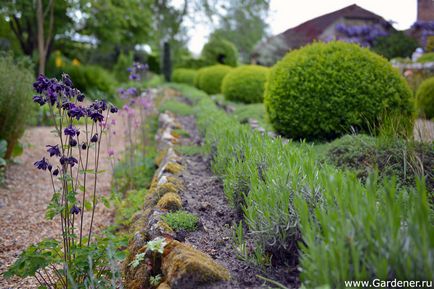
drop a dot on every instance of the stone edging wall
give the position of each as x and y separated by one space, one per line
181 265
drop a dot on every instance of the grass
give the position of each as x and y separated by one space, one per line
181 220
299 209
363 154
190 150
176 107
243 112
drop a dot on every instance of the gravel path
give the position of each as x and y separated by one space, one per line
26 193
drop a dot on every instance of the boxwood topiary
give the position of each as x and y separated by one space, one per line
184 75
210 78
425 98
219 50
245 84
324 90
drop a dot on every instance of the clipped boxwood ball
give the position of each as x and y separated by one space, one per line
425 98
245 84
210 78
220 51
184 75
324 90
196 80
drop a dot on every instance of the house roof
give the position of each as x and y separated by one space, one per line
310 30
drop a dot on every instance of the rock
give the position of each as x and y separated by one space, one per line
204 206
163 285
170 201
185 267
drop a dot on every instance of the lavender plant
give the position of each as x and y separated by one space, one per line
72 165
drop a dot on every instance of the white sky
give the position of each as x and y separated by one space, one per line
285 14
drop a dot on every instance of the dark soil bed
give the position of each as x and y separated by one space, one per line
204 196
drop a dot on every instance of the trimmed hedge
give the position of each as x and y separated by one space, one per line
90 78
245 84
184 75
220 51
425 98
210 78
325 90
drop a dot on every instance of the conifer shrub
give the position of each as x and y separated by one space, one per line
325 90
245 84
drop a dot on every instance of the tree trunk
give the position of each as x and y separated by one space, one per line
41 40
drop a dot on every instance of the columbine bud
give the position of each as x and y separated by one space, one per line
75 210
72 142
83 146
94 138
55 172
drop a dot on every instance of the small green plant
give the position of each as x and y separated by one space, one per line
427 57
181 220
157 245
3 148
137 259
180 132
189 150
155 280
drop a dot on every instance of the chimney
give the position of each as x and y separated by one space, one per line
425 10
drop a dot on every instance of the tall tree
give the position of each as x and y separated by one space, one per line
36 24
244 24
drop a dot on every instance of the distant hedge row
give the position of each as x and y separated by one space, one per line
319 92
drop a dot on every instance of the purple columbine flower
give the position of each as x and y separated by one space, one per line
94 138
113 109
80 97
66 80
41 83
77 112
72 142
39 99
42 164
63 160
72 161
53 150
75 210
71 131
132 91
134 76
95 115
55 172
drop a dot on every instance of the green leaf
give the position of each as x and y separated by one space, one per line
54 207
105 201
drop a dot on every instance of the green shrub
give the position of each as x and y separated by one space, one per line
184 75
425 98
181 220
345 230
219 51
324 90
123 62
16 105
396 44
210 78
245 84
427 57
88 78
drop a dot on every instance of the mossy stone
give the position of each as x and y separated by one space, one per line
186 267
170 201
